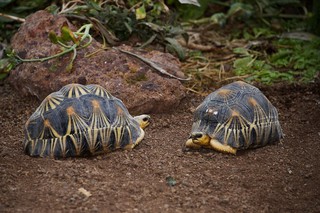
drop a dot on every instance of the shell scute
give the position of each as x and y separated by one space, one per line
238 115
80 120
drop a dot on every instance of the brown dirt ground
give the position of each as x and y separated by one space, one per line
278 178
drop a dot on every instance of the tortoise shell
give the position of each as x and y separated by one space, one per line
238 115
80 120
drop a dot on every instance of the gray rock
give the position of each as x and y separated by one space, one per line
141 88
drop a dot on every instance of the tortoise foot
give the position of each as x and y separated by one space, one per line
216 145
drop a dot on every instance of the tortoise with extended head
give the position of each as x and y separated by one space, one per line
81 120
236 116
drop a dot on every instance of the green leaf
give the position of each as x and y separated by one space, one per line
69 67
149 41
243 62
281 58
174 46
153 26
191 11
93 12
67 35
174 31
94 5
259 32
218 18
6 65
241 51
53 9
141 13
53 37
240 10
129 28
193 2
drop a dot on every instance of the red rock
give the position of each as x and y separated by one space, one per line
141 88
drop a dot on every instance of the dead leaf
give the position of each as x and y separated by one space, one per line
84 192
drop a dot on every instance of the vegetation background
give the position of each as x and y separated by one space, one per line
266 41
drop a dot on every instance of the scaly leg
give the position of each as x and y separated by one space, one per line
216 145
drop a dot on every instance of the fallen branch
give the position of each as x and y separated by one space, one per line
153 65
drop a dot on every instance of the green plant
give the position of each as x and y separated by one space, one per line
7 63
190 11
69 41
298 56
253 69
67 36
275 14
294 60
143 19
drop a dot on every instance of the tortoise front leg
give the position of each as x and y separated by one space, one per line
216 145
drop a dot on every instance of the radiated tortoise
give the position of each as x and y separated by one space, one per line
235 117
81 120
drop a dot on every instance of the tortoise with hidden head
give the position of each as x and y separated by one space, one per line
236 116
81 120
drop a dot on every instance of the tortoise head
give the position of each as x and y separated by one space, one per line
200 138
143 120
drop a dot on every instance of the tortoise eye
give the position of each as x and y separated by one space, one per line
145 119
196 135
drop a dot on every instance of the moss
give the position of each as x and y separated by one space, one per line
53 68
134 78
133 67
